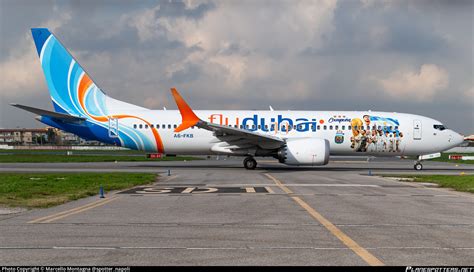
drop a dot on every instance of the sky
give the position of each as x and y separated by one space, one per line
396 56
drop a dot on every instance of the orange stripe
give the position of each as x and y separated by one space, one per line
85 84
159 142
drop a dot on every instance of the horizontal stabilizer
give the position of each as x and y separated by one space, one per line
51 114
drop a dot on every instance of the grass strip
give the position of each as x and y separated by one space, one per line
46 190
462 183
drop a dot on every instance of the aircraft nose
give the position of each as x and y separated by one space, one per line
460 139
456 138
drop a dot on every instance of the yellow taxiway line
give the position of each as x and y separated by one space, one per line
344 238
63 214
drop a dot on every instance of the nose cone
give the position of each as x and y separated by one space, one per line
456 138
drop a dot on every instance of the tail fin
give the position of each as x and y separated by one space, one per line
69 85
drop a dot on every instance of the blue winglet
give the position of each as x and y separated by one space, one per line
40 35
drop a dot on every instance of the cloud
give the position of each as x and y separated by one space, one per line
470 94
20 73
422 84
237 43
145 22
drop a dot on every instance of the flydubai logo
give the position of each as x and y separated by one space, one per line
255 122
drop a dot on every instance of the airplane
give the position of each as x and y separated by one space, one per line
300 138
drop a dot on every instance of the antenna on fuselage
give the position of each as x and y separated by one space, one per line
164 108
271 108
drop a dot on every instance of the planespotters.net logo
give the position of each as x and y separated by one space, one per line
439 269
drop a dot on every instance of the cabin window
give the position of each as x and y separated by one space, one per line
146 126
396 127
348 127
319 127
151 126
169 126
266 127
343 127
313 127
336 127
259 126
157 126
330 127
140 126
325 127
135 126
175 126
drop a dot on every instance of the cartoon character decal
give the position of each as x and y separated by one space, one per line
375 134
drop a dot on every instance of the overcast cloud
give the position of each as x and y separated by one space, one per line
403 56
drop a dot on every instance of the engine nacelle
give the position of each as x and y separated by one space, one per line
306 151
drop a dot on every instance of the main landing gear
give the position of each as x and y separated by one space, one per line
250 163
418 166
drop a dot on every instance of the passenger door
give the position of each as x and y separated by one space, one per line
416 130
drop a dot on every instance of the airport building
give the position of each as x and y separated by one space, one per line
41 136
25 136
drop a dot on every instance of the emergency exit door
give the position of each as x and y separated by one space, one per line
416 130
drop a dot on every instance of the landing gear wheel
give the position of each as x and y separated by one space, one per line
250 163
418 166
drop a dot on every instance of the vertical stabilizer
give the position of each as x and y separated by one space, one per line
70 87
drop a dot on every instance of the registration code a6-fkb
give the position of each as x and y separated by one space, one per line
184 135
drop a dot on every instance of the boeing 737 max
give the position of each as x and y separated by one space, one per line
293 137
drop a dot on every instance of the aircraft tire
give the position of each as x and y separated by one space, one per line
250 163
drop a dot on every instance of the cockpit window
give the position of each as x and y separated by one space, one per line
439 127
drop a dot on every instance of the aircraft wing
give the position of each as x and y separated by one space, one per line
235 138
55 115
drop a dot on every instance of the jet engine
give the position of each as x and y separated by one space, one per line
305 151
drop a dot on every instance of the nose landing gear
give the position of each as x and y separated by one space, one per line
250 163
418 166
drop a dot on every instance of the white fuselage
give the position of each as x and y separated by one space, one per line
348 132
